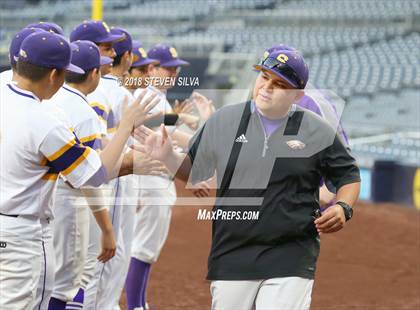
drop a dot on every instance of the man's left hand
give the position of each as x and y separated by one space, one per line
331 220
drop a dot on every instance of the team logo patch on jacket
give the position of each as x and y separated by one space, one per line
296 144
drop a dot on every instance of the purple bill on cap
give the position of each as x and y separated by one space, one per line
167 56
140 56
86 55
47 26
17 41
124 45
287 64
95 31
47 49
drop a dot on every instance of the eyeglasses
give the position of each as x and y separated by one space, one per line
284 69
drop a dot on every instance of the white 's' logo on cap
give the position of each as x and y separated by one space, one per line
296 144
23 53
173 52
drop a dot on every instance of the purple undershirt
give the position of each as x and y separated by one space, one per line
270 125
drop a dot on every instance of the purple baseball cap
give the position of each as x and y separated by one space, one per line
140 56
17 41
277 47
95 31
86 55
167 56
47 26
124 45
287 64
47 49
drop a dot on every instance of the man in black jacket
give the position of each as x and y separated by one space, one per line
269 156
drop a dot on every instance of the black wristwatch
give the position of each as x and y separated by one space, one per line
348 211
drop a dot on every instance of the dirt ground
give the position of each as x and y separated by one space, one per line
374 263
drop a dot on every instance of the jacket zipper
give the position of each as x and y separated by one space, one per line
265 147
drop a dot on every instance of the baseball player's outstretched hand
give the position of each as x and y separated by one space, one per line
135 114
108 245
204 105
145 165
157 145
186 106
331 220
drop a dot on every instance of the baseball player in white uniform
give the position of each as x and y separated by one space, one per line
99 293
71 225
157 194
30 162
98 33
107 101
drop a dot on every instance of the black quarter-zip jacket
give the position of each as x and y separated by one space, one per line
279 176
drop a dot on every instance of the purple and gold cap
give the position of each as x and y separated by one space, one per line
47 49
287 64
47 26
167 56
86 55
124 45
95 31
140 56
17 41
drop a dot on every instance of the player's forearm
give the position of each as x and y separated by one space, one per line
111 154
182 138
103 220
349 193
126 164
179 165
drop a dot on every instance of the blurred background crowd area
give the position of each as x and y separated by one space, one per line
363 53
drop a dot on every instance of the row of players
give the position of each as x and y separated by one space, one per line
70 264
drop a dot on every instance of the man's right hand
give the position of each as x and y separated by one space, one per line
157 145
145 165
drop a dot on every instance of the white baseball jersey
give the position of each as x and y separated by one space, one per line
35 147
109 98
101 104
6 77
82 118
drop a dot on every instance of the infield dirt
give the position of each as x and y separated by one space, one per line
373 264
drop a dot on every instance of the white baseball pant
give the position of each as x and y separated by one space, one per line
286 293
23 259
46 280
71 239
119 265
156 199
100 289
